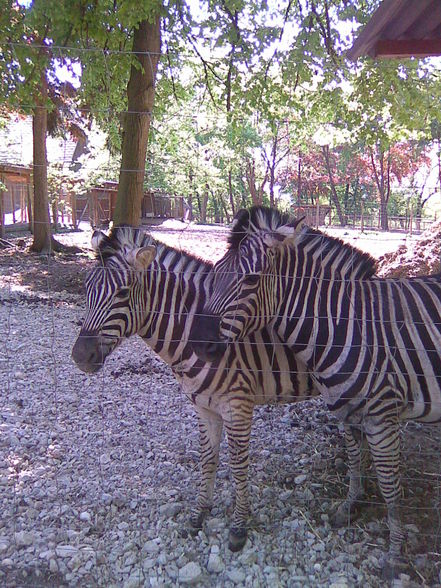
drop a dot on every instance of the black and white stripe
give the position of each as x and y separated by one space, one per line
143 287
373 346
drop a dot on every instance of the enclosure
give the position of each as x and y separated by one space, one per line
135 112
98 473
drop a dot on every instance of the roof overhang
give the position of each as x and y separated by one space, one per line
401 28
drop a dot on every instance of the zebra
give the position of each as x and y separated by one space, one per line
141 286
372 345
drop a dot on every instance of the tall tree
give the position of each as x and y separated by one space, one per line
27 37
136 125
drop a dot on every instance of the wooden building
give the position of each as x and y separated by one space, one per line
15 195
314 215
98 206
400 29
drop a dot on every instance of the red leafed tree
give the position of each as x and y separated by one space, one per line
398 162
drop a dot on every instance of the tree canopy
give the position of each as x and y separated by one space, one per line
253 101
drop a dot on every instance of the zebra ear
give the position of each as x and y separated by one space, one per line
291 232
143 257
97 239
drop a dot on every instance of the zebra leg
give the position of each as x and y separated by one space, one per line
210 432
357 451
384 442
238 434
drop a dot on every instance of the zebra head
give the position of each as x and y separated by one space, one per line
236 306
268 252
114 294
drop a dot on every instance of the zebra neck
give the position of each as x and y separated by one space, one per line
176 287
317 319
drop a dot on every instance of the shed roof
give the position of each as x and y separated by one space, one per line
401 28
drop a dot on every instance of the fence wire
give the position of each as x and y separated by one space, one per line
99 473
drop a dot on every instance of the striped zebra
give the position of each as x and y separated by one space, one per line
371 345
143 287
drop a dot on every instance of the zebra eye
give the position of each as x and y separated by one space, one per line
252 279
123 293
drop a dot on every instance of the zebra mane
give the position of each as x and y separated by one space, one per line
261 219
120 240
282 228
123 238
352 262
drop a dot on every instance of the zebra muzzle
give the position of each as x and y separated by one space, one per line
89 352
204 337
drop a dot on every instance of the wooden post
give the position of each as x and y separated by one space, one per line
2 213
30 212
317 214
411 220
362 217
73 207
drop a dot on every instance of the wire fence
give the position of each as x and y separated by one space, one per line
99 473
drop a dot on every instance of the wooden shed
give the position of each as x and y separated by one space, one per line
98 205
401 28
15 195
313 215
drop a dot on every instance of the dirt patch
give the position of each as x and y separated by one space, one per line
416 258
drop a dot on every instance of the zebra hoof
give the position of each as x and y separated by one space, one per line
237 538
346 513
393 567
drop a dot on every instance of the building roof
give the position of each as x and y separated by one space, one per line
16 144
401 28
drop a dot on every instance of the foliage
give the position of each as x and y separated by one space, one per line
250 98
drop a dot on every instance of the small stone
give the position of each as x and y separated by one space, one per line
104 459
412 528
24 538
236 576
53 566
190 573
106 498
215 563
85 517
170 510
248 557
7 562
66 550
136 580
300 479
215 524
148 563
151 546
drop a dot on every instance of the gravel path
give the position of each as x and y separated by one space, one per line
97 473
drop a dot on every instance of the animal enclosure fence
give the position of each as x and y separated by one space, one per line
98 473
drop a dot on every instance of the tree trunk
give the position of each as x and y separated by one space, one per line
272 167
255 191
382 180
299 180
334 195
204 204
42 228
136 125
230 192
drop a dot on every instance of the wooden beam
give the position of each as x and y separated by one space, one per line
407 48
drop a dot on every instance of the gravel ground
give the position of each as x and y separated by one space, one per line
97 473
